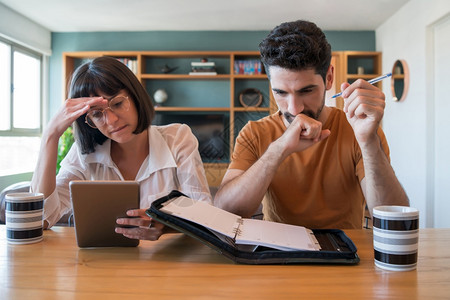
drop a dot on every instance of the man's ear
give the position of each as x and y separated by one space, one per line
329 78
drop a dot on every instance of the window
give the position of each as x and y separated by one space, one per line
21 105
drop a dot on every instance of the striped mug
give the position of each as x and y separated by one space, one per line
395 237
24 217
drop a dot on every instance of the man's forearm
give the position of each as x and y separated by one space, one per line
243 194
381 184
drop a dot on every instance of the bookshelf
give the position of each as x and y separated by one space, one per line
367 62
216 94
194 94
346 65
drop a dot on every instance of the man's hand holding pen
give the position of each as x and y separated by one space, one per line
364 106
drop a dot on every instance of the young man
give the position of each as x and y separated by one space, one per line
315 166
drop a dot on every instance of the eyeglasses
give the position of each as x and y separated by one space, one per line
97 117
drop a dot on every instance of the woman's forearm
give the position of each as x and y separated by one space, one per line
44 176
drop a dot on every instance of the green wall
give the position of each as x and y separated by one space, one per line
176 40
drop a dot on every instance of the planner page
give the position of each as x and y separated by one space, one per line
204 214
276 235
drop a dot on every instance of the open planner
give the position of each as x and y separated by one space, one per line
240 231
252 241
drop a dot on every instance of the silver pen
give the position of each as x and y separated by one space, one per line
371 81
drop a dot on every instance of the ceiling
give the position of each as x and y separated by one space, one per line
154 15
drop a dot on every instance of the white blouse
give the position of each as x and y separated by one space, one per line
173 163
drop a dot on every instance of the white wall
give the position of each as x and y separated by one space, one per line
407 124
22 30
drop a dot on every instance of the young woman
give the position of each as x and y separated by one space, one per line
111 114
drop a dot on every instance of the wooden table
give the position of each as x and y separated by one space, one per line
179 267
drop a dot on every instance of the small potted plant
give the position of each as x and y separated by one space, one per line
65 142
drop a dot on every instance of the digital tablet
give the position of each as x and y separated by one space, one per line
96 206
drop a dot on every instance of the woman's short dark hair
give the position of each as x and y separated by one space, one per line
109 76
297 46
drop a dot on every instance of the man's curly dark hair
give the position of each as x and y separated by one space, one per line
297 46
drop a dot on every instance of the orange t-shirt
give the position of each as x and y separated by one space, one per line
316 188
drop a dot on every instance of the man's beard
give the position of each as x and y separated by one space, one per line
314 115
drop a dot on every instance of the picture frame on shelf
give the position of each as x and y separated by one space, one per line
250 97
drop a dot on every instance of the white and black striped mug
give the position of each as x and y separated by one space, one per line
23 214
396 237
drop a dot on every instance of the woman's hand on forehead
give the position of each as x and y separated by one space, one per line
97 102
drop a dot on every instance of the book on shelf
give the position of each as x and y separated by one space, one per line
203 68
248 67
203 64
131 63
203 71
236 230
208 69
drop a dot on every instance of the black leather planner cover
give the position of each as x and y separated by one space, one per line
336 247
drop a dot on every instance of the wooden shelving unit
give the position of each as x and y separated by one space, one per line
346 65
147 66
370 62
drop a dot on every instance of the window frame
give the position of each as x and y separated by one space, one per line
18 132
